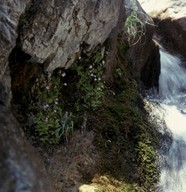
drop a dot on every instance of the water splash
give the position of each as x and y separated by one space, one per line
172 98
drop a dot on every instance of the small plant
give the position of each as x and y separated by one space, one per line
134 28
51 122
147 158
90 83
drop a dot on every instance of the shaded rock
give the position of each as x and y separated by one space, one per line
10 12
143 54
55 33
170 18
3 95
20 165
75 163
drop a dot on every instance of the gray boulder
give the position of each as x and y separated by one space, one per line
55 33
21 167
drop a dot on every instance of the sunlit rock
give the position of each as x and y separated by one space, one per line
87 188
170 19
143 53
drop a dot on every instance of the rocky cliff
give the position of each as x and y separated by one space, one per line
102 50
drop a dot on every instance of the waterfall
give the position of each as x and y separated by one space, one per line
172 99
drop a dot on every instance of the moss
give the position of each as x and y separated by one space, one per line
106 183
123 135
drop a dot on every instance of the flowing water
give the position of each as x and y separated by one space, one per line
172 99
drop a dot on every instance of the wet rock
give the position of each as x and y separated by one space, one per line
21 167
170 19
55 33
143 54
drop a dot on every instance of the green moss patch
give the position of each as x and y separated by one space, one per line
123 135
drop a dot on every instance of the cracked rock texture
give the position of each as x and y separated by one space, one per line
10 12
55 32
58 30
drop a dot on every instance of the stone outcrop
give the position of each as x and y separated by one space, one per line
170 19
21 167
10 12
143 54
55 33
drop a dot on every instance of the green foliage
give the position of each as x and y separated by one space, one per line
90 84
106 183
123 133
53 108
134 28
147 158
51 122
127 187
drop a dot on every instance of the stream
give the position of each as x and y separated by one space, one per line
172 101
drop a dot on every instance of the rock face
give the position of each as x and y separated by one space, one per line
143 53
54 33
170 18
21 167
10 12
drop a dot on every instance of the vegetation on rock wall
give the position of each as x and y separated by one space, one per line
127 141
51 120
79 98
61 100
135 27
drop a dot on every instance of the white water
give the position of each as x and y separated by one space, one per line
172 98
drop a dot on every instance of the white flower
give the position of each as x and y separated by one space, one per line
79 57
99 79
65 84
45 106
90 67
63 74
103 62
47 87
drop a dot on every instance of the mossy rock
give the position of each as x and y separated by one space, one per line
126 139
